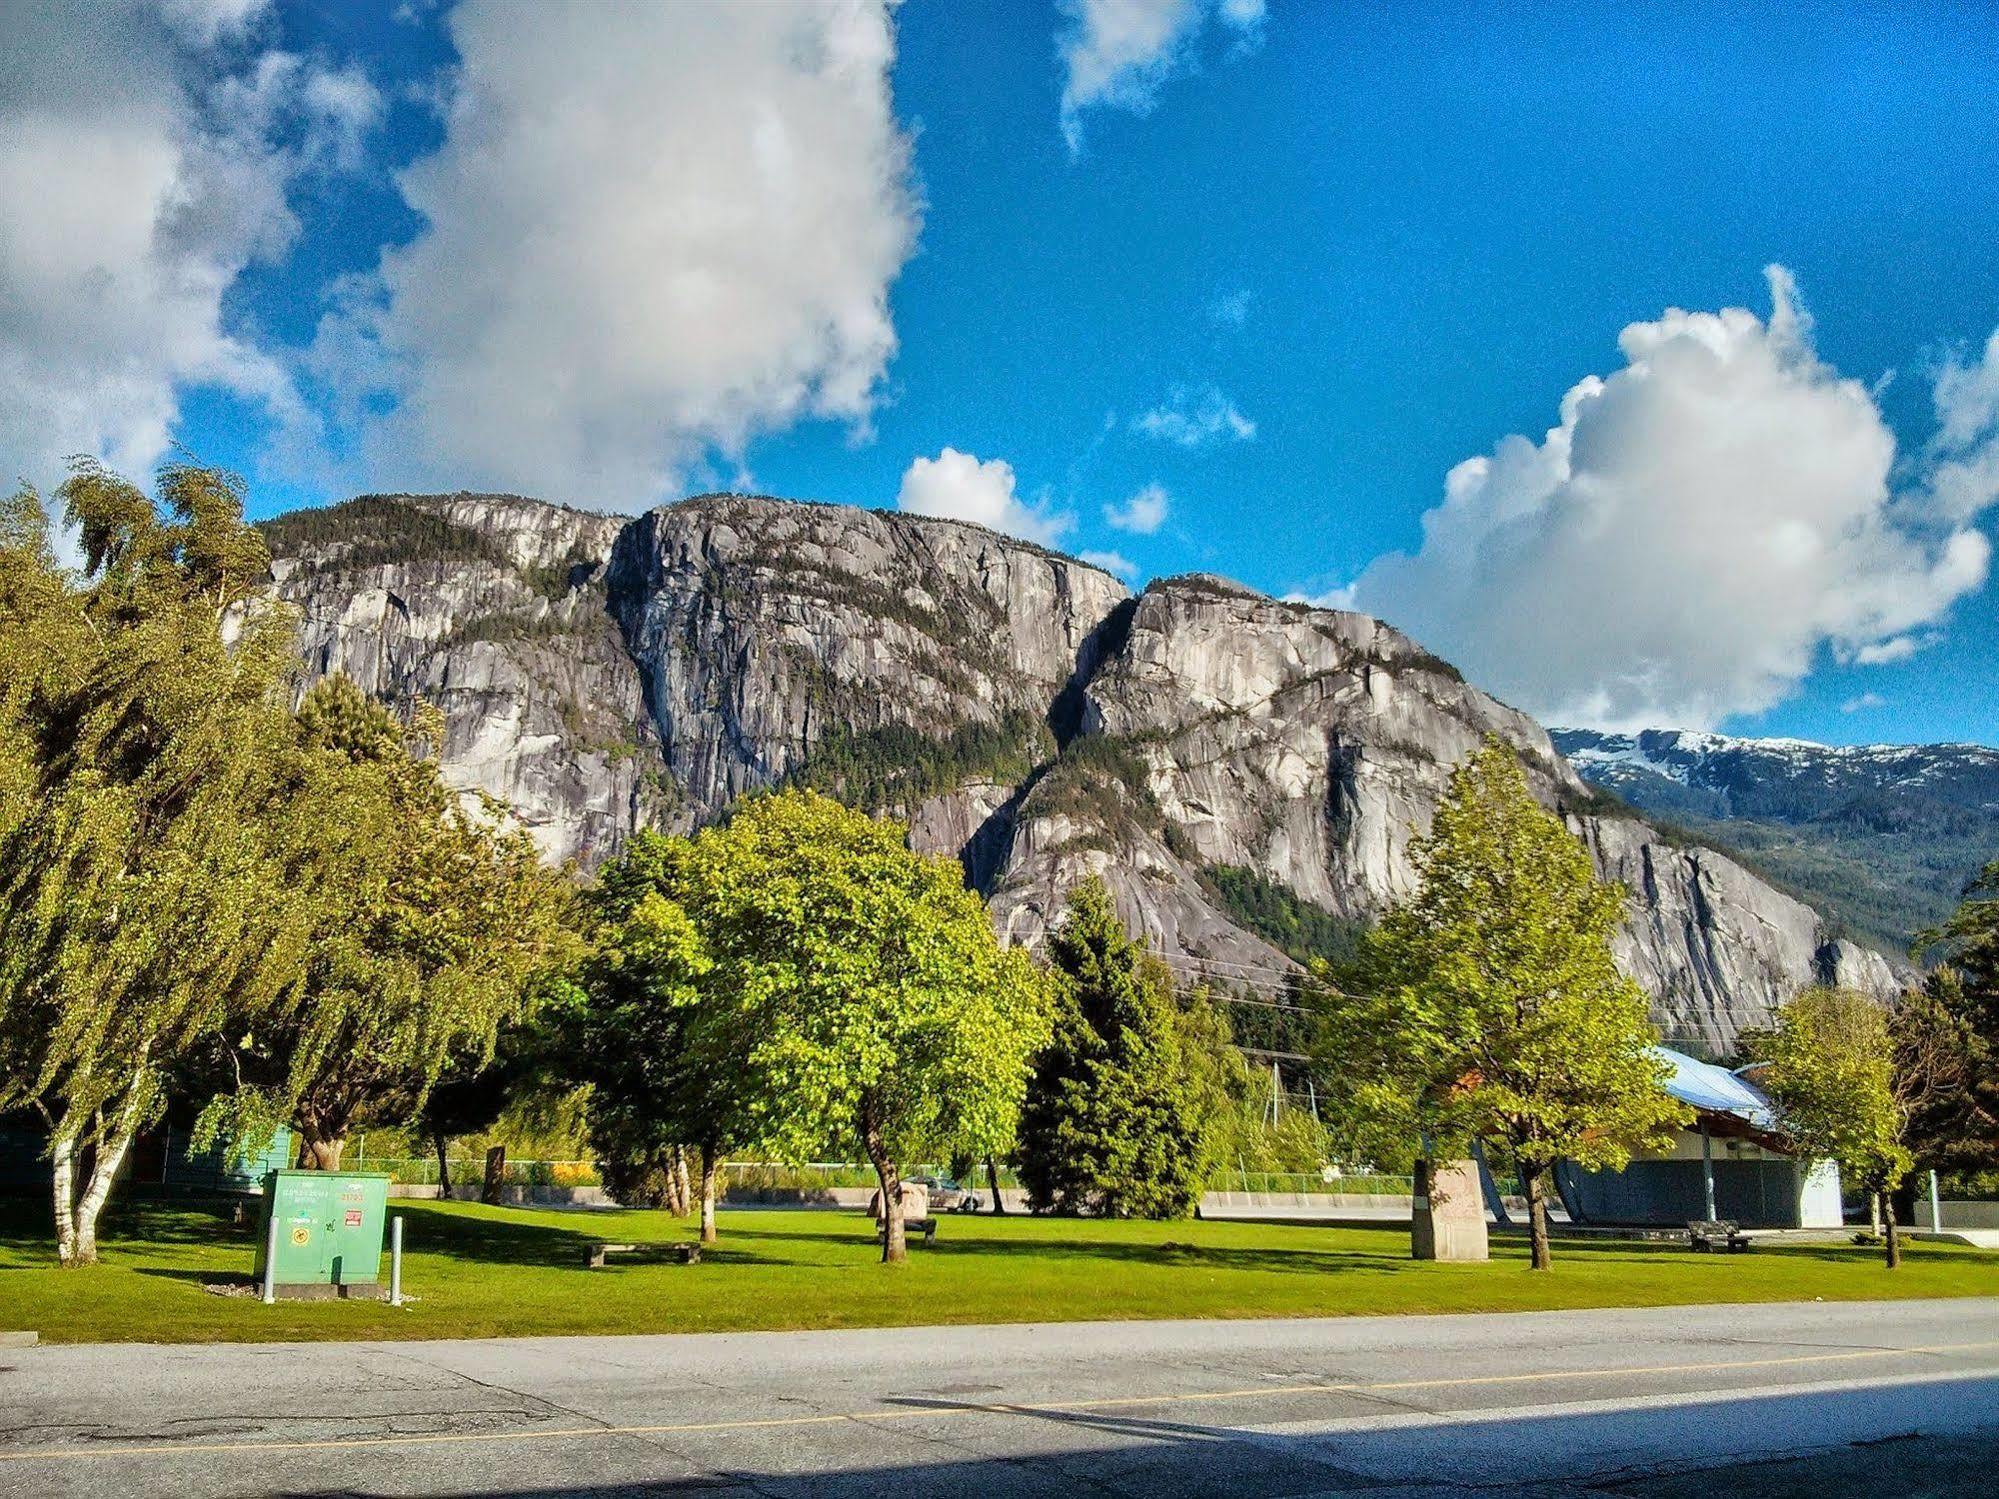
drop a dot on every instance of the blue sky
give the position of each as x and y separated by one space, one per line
1282 272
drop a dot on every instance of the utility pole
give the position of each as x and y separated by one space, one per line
1707 1167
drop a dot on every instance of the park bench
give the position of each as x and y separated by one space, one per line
686 1254
1708 1237
925 1226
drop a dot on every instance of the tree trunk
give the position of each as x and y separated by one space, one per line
678 1200
992 1180
1537 1215
103 1171
1891 1233
63 1153
1422 1242
443 1167
76 1217
708 1168
895 1248
317 1152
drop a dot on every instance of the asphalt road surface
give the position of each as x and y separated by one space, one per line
1805 1399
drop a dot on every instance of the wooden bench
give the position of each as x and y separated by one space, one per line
686 1254
925 1226
1716 1235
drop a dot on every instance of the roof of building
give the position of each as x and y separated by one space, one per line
1702 1085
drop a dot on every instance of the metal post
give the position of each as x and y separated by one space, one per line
396 1260
1936 1207
1312 1096
1707 1168
271 1254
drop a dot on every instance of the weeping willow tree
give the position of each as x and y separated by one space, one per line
143 748
429 926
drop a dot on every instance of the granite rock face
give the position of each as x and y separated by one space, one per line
494 609
1715 946
759 624
1020 708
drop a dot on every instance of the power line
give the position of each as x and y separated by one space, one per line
1270 968
1266 1004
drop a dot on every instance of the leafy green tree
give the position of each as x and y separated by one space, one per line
429 927
1487 1006
880 1004
143 736
44 643
523 1077
1829 1064
667 1048
1961 1125
1125 1099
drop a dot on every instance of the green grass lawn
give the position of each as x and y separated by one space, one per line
485 1272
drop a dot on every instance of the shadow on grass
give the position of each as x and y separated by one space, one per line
233 1278
1175 1255
29 1228
508 1241
1301 1258
505 1236
1825 1252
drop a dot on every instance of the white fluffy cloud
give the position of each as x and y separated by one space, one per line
1230 308
1965 453
1142 514
1697 527
1112 562
143 171
651 231
1194 417
1117 53
957 486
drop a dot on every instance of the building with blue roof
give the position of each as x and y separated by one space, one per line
1733 1161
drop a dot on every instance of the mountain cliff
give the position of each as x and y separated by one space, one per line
1020 708
1880 837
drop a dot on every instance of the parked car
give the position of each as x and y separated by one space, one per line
946 1196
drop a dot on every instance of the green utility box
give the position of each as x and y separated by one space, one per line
329 1227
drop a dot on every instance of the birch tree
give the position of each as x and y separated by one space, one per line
143 739
427 927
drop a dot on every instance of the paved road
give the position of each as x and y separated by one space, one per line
1886 1398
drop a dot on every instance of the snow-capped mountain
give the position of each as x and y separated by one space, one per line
1883 835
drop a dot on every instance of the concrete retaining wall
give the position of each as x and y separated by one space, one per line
1301 1204
856 1199
513 1197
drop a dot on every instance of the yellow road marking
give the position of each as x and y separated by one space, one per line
532 1434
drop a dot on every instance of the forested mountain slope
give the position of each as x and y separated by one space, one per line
1211 752
1880 837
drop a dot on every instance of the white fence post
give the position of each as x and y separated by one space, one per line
271 1255
396 1260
